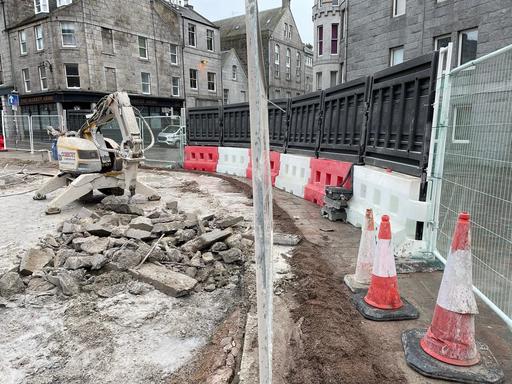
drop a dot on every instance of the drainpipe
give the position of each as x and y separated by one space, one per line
155 45
13 73
183 60
345 67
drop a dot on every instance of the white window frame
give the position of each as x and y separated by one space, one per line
145 47
225 96
319 81
459 48
290 29
41 6
210 39
288 64
41 77
399 7
320 52
173 86
67 76
196 73
39 38
26 80
147 83
22 35
337 40
175 54
73 27
192 34
437 38
234 73
277 60
392 52
298 67
285 30
61 3
214 82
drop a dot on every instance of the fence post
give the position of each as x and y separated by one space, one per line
320 126
30 134
221 125
288 125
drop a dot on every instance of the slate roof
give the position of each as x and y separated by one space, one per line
235 26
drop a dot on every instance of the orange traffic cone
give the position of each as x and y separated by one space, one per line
451 336
448 350
383 292
383 301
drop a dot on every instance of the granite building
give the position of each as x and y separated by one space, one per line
374 35
283 49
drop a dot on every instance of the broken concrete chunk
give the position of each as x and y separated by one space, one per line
50 241
210 288
163 219
11 284
234 241
154 215
38 284
119 231
129 209
65 281
60 257
115 200
219 247
94 262
85 213
169 282
142 224
191 272
208 258
196 261
99 229
231 256
286 239
186 235
172 206
229 222
138 234
68 228
35 260
167 228
94 245
205 240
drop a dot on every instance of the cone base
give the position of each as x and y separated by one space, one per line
355 286
406 312
487 372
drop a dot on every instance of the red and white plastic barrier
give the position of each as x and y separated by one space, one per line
201 158
275 166
325 173
233 161
2 144
294 174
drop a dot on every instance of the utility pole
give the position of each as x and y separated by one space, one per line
262 189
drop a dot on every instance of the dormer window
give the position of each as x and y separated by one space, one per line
41 6
61 3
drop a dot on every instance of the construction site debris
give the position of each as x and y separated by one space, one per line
165 280
286 239
11 284
35 260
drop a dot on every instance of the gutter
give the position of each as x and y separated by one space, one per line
13 73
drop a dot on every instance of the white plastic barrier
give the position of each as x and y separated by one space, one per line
388 193
233 161
293 174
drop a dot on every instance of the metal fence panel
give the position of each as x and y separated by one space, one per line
236 131
345 121
17 132
169 136
400 116
204 126
278 123
474 172
40 124
304 130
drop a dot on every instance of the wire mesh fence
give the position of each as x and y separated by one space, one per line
16 131
474 170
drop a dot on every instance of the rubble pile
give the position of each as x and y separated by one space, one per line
121 247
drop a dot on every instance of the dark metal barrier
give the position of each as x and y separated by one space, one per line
384 121
400 116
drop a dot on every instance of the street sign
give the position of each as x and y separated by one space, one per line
14 101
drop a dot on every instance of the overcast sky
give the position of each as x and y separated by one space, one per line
221 9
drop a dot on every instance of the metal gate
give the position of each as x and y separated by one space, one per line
471 170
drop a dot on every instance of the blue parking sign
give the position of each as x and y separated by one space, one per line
14 100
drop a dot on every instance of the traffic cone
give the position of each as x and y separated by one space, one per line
362 277
448 350
451 336
383 291
383 301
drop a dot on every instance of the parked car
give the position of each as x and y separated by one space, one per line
171 135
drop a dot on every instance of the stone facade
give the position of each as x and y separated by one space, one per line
374 29
283 49
234 79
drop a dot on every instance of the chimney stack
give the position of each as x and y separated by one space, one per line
286 3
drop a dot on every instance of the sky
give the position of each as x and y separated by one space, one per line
221 9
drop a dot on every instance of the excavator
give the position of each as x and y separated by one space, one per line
88 161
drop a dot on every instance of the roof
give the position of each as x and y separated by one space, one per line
235 26
29 20
189 13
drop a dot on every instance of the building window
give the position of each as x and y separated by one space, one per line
107 41
38 33
243 96
234 74
192 35
334 39
143 48
193 78
335 2
277 93
176 86
277 60
26 79
210 42
288 64
289 94
68 34
61 3
43 78
320 35
298 67
110 79
290 28
334 78
226 96
342 73
41 6
468 43
308 84
398 7
72 76
309 61
211 81
319 81
396 55
174 54
442 41
285 30
23 42
1 72
146 83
